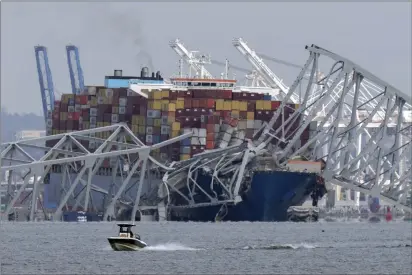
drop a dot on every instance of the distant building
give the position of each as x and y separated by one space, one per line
27 134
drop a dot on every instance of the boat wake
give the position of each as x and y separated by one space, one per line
276 247
170 247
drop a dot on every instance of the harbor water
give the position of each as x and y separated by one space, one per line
209 248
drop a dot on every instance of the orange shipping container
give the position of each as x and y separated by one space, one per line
210 103
210 136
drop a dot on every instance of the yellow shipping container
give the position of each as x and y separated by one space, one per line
235 113
171 119
220 105
180 103
165 94
154 105
70 96
63 116
54 132
157 122
165 101
184 157
141 121
243 106
259 105
172 107
267 105
235 105
297 106
175 134
135 120
157 95
65 98
142 130
227 106
93 101
250 115
175 126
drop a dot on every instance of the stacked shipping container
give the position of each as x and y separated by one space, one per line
218 118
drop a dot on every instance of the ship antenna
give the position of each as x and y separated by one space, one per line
226 68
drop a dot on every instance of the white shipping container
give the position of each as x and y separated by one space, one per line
195 132
92 121
194 141
70 109
258 124
202 141
122 101
217 128
149 130
202 133
115 118
100 100
109 92
149 138
85 106
93 111
164 130
250 124
223 144
91 90
242 125
77 108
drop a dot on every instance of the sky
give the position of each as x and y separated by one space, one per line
126 36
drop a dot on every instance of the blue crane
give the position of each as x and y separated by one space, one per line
76 72
45 79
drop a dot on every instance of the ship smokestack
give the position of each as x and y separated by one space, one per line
118 72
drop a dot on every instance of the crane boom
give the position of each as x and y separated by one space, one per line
45 79
195 61
75 70
269 76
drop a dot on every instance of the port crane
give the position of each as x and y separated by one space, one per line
194 59
75 70
45 80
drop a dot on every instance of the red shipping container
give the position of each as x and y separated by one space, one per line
210 128
63 107
83 99
195 103
70 116
187 94
251 106
210 136
187 103
76 116
210 103
275 104
210 144
243 115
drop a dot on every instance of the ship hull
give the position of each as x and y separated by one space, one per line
268 199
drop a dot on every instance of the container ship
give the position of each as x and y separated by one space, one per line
216 112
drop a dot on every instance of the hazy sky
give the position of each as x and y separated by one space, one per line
111 36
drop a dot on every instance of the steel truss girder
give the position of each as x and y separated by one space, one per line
69 152
352 151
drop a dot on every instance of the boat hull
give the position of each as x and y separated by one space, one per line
126 244
268 199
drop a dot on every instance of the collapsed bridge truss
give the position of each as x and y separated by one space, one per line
375 166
